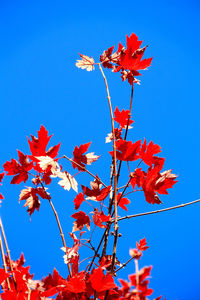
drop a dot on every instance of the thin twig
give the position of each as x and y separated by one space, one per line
96 253
126 132
4 261
7 249
59 225
157 211
124 264
84 169
114 170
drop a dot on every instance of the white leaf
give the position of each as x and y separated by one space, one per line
86 63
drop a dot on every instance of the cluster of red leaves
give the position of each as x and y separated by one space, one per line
153 180
19 284
21 169
128 61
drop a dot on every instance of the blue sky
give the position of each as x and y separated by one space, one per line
39 84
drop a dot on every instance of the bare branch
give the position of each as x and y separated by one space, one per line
157 211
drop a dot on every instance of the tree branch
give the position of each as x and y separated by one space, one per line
157 211
114 170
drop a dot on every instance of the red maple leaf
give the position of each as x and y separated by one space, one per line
106 58
81 158
122 201
96 193
38 145
53 284
81 220
123 117
142 275
100 217
1 177
101 282
142 245
76 284
147 152
31 196
131 57
127 151
153 181
128 60
20 171
78 200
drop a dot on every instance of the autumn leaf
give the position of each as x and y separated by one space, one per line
128 61
123 118
122 201
142 245
147 152
19 169
100 217
76 284
96 194
81 158
127 151
106 58
78 200
86 62
38 144
101 282
67 180
81 220
31 196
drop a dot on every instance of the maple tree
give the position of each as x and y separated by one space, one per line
144 173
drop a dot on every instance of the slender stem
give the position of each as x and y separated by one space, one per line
96 253
157 211
126 132
124 264
84 169
7 249
115 168
4 261
59 226
61 232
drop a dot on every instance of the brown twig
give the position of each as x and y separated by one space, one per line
4 261
124 264
114 169
126 132
59 225
7 249
84 169
157 211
